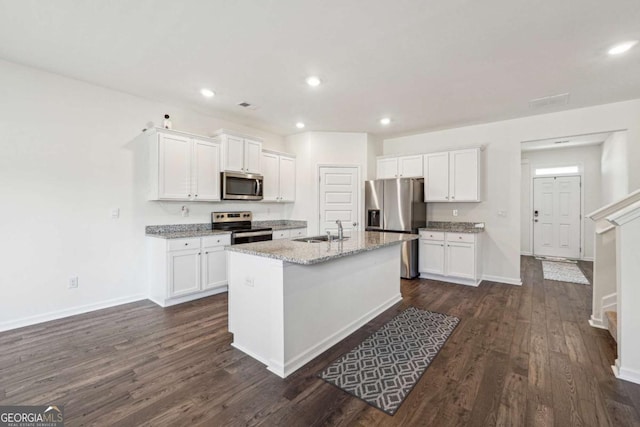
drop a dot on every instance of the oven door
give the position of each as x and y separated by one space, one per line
239 237
241 186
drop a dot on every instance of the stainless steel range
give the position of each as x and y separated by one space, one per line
239 223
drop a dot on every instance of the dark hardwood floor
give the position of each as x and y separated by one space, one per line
520 356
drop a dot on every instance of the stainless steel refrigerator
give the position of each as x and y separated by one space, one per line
397 205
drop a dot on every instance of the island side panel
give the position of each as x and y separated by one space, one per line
256 305
325 302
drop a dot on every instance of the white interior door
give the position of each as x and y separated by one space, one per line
556 216
338 194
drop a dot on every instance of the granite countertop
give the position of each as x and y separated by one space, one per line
183 231
313 253
454 227
281 224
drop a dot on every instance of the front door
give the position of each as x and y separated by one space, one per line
556 216
338 193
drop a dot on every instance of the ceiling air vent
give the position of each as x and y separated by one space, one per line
247 105
548 101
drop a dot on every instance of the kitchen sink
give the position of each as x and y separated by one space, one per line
319 239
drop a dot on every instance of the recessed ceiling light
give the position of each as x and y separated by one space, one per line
300 125
622 47
313 81
385 121
208 93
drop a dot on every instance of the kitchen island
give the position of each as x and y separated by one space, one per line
289 300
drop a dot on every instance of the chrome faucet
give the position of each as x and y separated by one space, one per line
340 230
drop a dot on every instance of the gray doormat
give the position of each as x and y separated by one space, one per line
385 367
563 272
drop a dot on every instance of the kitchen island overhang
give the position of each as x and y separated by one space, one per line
290 301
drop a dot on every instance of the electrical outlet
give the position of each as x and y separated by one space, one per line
73 282
455 212
185 211
249 282
115 213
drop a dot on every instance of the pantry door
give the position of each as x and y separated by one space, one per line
338 193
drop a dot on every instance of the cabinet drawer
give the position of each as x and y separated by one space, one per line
280 234
432 235
461 237
298 232
220 240
178 244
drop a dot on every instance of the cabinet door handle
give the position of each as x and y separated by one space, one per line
453 197
186 244
199 253
188 195
206 253
447 197
196 195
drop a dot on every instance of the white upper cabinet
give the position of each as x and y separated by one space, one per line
252 154
183 166
174 163
279 171
436 177
410 167
464 182
206 170
240 154
399 167
387 168
287 179
452 176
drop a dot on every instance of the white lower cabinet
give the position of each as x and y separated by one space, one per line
289 233
181 270
451 257
298 232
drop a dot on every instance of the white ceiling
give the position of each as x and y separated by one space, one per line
426 64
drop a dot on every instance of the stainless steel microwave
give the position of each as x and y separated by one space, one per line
241 186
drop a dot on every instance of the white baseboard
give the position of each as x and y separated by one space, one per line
597 323
625 374
54 315
450 279
587 258
526 253
502 279
173 301
628 375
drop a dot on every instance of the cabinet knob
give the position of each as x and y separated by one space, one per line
460 237
199 253
196 195
186 244
188 195
447 197
206 253
453 197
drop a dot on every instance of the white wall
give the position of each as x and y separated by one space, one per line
614 168
501 248
324 148
588 158
67 159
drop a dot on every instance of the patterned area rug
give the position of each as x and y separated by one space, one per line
563 272
385 367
